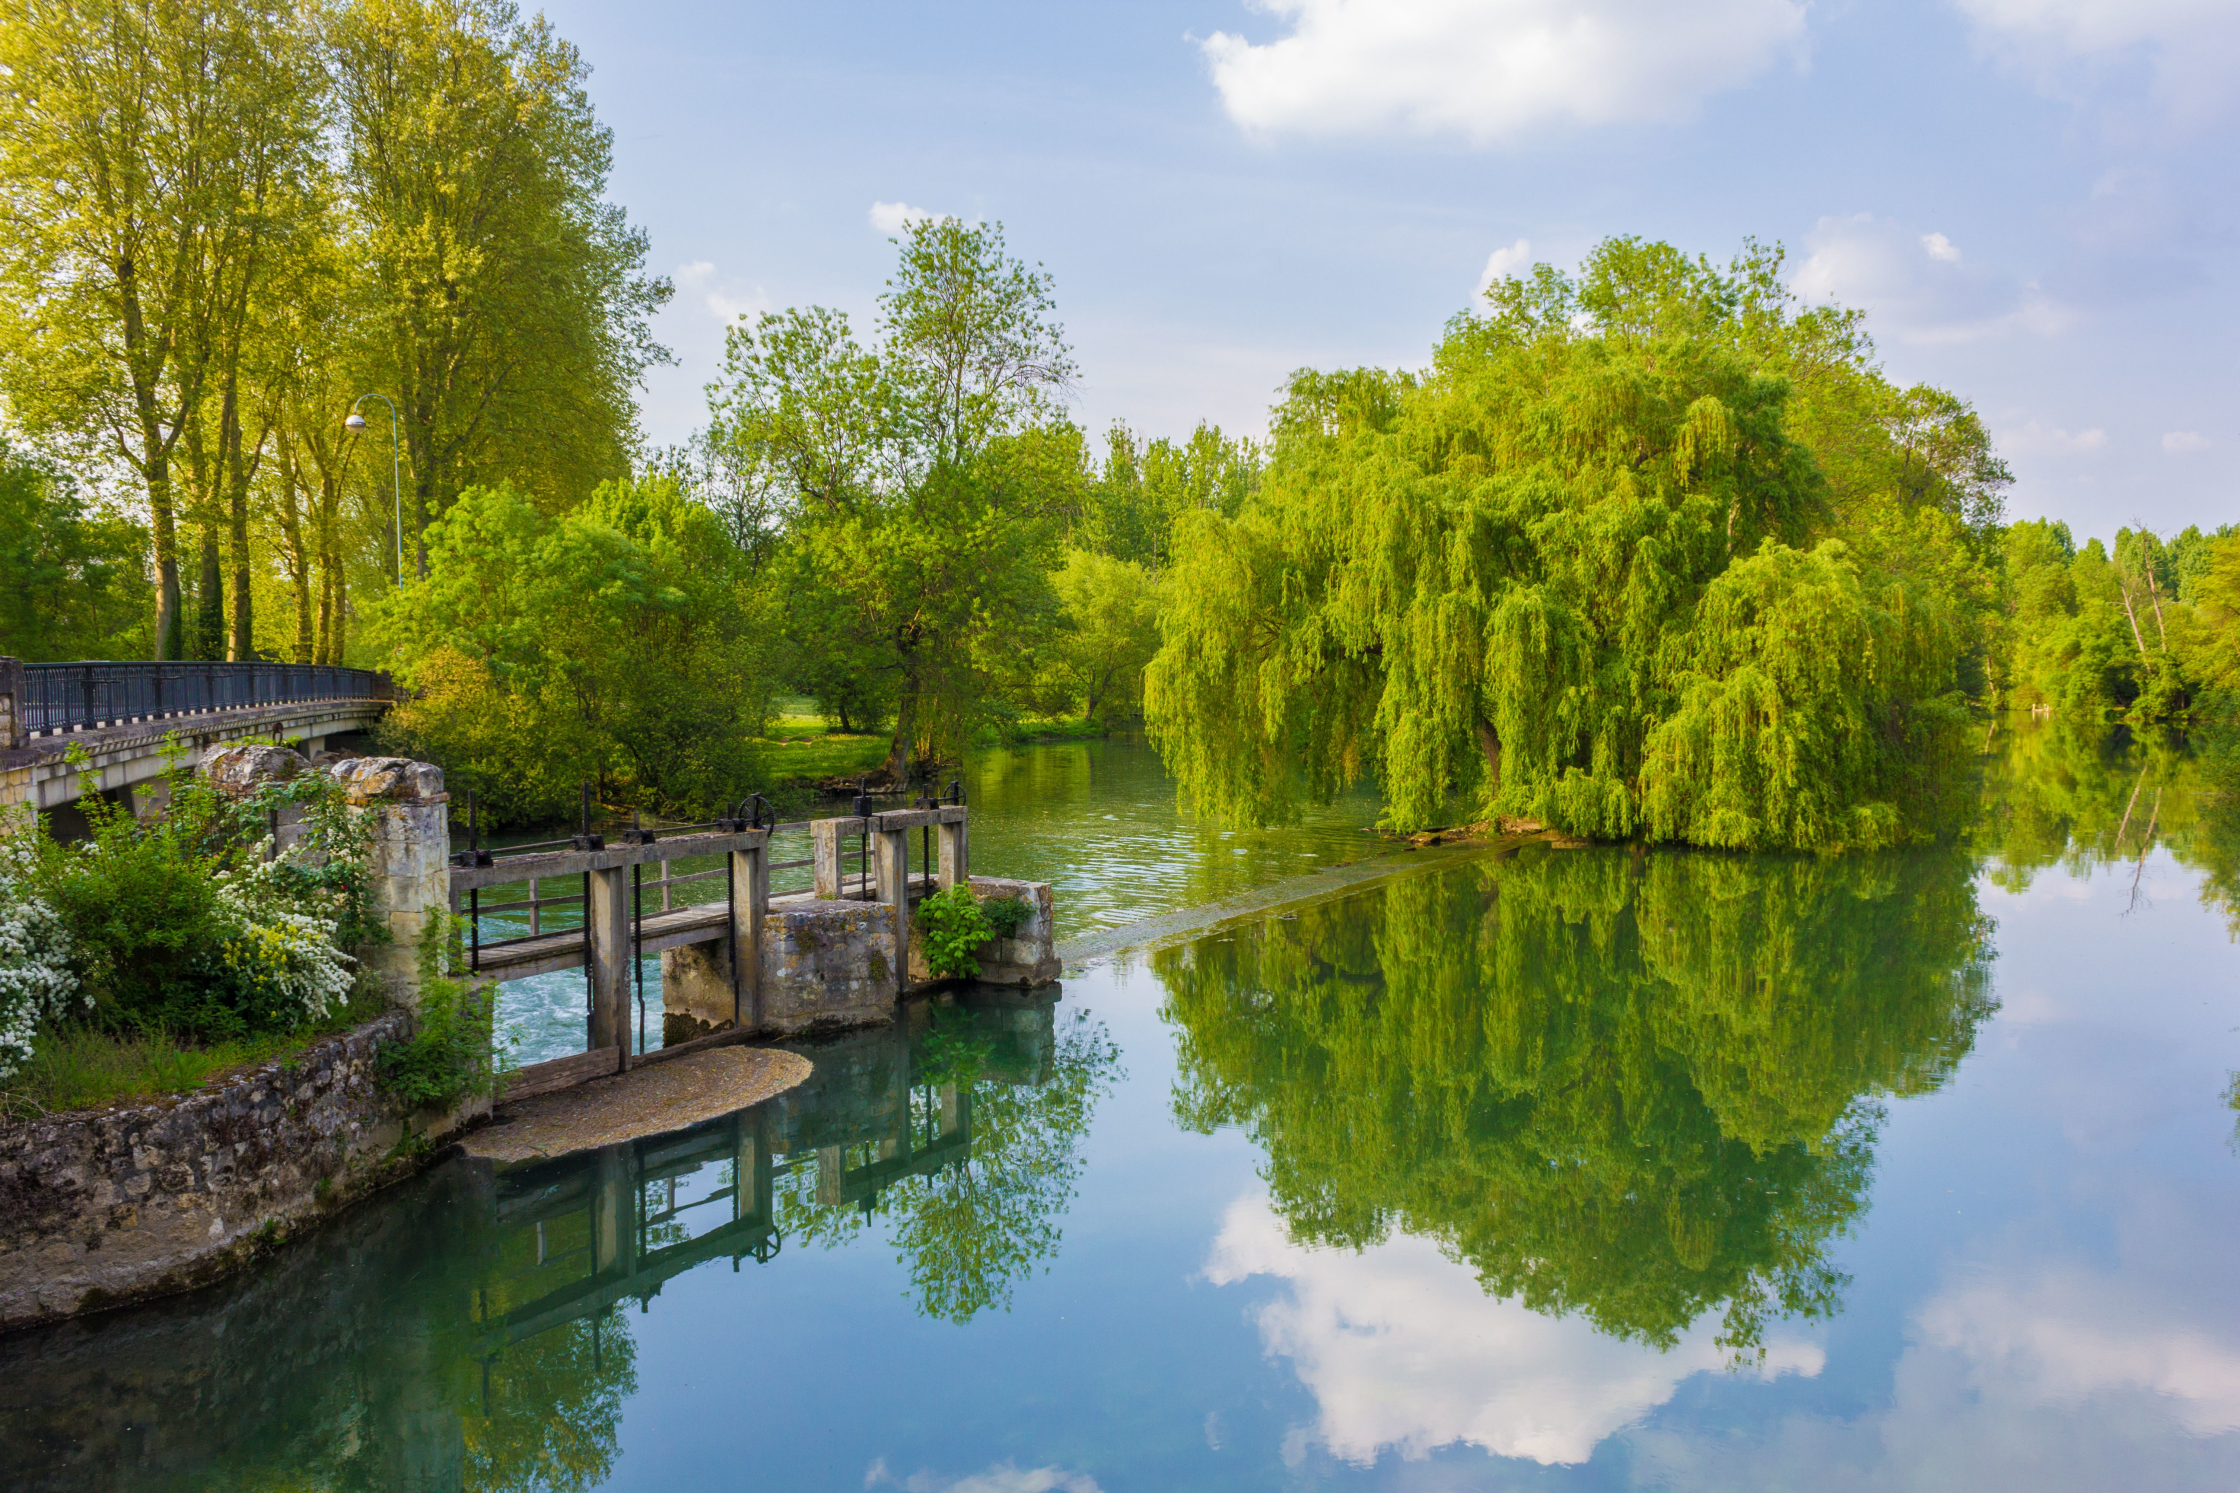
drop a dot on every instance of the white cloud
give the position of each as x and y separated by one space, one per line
1502 263
2184 442
1004 1477
2193 46
1916 287
2068 1336
720 296
1491 70
890 218
2037 438
1402 1348
1940 247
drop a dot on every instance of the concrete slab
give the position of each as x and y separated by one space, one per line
644 1101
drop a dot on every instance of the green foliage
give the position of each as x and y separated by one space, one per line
72 582
1128 511
1006 915
189 926
449 1056
2142 630
619 642
1572 573
917 483
1108 629
1636 1088
956 929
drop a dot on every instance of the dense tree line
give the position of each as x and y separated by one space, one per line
1653 550
221 224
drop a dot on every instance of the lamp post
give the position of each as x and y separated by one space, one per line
356 425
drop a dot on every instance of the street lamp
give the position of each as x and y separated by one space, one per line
356 425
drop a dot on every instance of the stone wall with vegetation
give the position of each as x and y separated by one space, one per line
104 1206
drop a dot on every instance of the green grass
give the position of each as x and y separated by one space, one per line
824 756
80 1067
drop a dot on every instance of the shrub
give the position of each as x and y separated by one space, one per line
38 983
192 927
448 1056
957 926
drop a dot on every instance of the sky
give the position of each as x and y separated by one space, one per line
2034 200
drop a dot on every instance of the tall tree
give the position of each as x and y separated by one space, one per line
135 139
1570 572
514 305
921 479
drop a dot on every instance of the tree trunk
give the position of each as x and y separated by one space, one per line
1490 744
170 629
210 613
905 733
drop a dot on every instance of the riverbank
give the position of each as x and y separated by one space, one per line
129 1201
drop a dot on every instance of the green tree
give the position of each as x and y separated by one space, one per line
140 141
73 582
919 481
1585 576
1109 629
615 643
513 307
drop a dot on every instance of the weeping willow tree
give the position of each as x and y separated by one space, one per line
1580 570
1637 1089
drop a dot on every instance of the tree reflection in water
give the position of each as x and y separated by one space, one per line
471 1329
1633 1087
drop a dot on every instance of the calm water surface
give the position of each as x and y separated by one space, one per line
1575 1169
1095 819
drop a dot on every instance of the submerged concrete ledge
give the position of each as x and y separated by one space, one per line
1316 886
652 1100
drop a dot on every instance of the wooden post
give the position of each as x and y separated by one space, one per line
891 847
750 906
825 836
606 951
614 1213
954 846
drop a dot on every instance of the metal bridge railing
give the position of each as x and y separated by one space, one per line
56 699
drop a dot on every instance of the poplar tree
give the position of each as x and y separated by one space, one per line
138 141
512 307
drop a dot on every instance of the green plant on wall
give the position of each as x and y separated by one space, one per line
449 1056
957 926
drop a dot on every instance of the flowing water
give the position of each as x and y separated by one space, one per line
1575 1169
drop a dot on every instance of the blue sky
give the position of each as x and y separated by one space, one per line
2034 199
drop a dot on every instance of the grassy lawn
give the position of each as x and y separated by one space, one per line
802 750
82 1067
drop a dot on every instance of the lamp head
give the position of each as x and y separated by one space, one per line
356 424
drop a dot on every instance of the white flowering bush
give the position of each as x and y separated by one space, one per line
191 927
38 982
276 947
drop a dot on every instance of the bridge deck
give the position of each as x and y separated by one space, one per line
128 752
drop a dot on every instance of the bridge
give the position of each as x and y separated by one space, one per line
124 714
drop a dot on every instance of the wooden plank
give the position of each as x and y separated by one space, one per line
561 1073
614 857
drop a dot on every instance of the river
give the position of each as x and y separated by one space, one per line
1570 1169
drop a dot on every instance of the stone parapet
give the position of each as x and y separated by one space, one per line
99 1207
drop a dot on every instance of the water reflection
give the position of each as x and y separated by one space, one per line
1637 1089
472 1331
